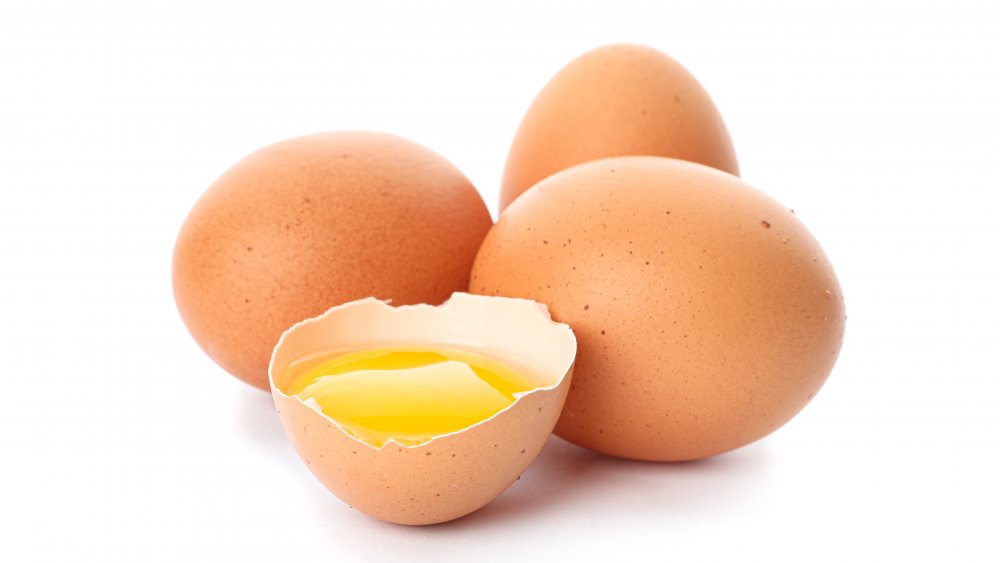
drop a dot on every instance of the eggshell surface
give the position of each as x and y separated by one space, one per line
453 474
616 100
706 314
312 222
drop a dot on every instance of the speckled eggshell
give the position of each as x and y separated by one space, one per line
315 221
707 315
454 474
616 100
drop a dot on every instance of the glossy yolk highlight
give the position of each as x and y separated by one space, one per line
407 394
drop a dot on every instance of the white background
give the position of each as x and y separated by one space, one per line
878 123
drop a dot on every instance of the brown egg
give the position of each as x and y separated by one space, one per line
616 100
312 222
452 474
706 314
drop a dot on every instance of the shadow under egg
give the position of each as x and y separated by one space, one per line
257 420
574 481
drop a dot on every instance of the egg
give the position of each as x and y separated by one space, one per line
616 100
452 474
312 222
706 313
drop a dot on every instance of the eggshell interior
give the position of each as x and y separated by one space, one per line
453 474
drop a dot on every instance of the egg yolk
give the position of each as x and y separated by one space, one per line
407 394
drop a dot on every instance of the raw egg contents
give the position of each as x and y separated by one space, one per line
455 473
408 394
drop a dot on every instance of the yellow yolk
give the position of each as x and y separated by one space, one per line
407 394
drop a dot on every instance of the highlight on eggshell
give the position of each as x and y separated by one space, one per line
421 414
616 100
311 222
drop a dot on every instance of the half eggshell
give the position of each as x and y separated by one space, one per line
453 474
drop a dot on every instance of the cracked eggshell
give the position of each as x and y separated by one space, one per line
706 313
453 474
616 100
315 221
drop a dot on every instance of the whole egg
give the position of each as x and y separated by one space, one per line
616 100
706 314
312 222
